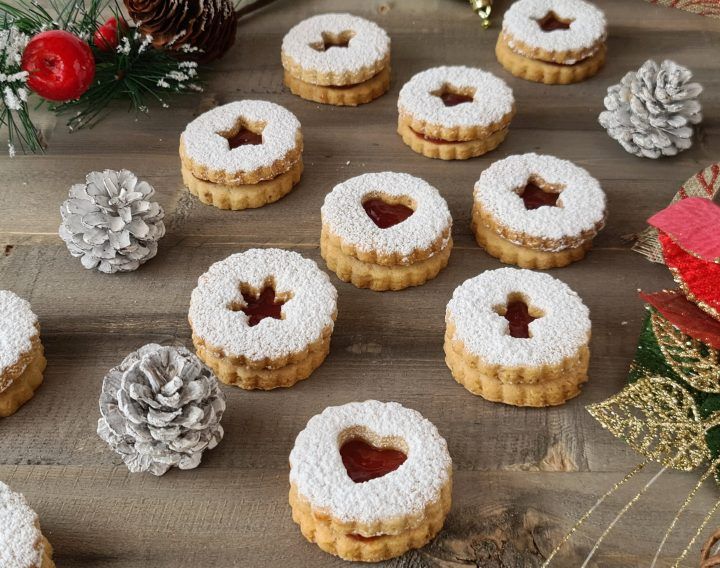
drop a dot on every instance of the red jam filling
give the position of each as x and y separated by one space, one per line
384 214
431 139
551 22
364 461
535 196
262 306
244 137
453 99
519 319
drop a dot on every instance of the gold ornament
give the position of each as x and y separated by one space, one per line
482 8
659 419
685 356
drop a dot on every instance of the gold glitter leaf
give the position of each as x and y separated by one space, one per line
695 363
658 418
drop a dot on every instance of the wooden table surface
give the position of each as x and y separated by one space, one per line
522 476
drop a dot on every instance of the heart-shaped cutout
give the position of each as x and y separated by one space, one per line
364 461
386 214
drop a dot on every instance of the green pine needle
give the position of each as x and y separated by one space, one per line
136 71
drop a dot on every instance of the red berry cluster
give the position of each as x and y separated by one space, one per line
61 66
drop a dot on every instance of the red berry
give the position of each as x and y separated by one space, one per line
106 37
60 65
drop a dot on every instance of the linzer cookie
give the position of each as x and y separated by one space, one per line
454 113
337 59
552 41
22 545
370 480
518 337
537 211
385 231
22 361
263 318
242 155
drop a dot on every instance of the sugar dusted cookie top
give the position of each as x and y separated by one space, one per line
216 305
317 470
335 49
344 215
21 543
579 212
475 311
17 329
586 25
492 99
206 147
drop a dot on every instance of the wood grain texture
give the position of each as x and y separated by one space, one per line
522 476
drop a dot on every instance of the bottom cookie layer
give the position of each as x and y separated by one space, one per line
23 387
47 561
248 196
525 257
446 149
350 95
545 72
379 277
250 378
546 393
317 529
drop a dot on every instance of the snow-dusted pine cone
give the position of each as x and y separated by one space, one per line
161 407
111 221
651 112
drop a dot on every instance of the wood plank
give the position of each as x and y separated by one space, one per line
224 516
393 342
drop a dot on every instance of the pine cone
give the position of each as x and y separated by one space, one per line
111 222
651 111
206 26
161 408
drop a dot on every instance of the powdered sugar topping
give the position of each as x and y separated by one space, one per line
344 215
317 470
20 539
368 45
580 206
588 26
17 328
309 310
563 328
205 144
492 98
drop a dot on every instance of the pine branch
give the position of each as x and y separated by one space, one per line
135 71
14 112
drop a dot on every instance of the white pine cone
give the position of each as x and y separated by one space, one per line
651 112
161 407
111 221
